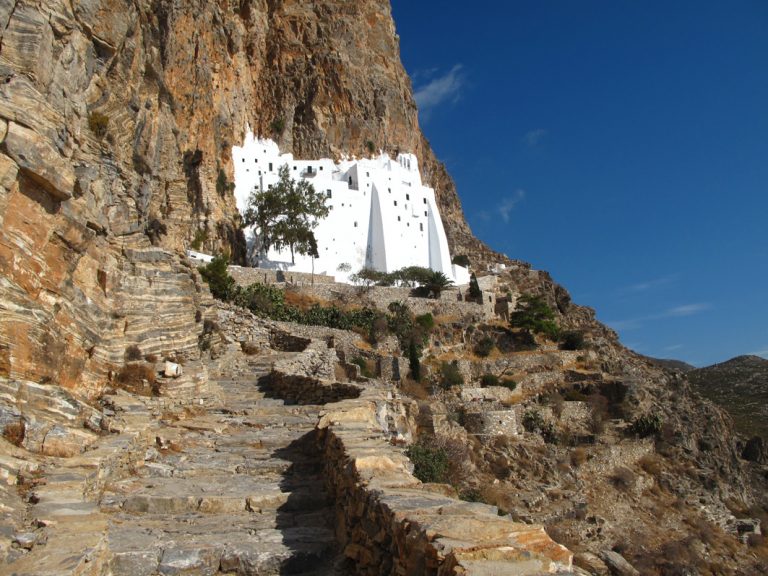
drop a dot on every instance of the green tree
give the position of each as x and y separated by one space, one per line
534 315
436 283
475 294
221 284
286 215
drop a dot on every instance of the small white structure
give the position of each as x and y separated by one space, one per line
172 370
381 217
199 256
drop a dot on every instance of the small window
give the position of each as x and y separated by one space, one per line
243 159
421 227
355 224
367 174
398 218
389 190
406 206
321 168
407 196
270 166
395 202
328 194
425 200
425 213
255 160
294 167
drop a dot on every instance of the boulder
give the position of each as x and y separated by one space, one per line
38 160
617 564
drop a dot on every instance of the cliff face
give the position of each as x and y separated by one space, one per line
117 119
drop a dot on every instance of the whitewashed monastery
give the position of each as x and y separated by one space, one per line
381 216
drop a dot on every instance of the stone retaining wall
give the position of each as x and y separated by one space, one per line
247 276
387 521
390 523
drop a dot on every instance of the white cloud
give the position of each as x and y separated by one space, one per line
674 312
441 89
650 284
685 310
673 347
507 204
533 138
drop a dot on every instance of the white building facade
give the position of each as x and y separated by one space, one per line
381 216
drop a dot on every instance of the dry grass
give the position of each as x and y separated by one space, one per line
623 478
302 301
578 456
15 432
250 348
138 378
651 465
413 389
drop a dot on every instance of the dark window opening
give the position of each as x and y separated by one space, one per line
425 213
407 196
270 166
398 218
395 202
421 227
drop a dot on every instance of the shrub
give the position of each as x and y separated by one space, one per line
651 464
485 346
370 146
623 478
646 425
578 456
430 463
475 294
221 284
461 260
489 380
365 370
138 378
223 185
14 432
151 358
508 383
98 123
250 348
572 340
201 237
277 126
450 375
425 321
533 420
132 353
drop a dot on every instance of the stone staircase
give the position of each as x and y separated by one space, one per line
233 488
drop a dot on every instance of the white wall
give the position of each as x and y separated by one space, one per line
386 220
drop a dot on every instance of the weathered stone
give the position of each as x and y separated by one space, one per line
38 160
617 564
172 370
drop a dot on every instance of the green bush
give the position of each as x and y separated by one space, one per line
450 375
370 146
98 123
572 340
277 126
223 185
201 237
489 380
508 383
533 421
221 284
430 463
425 321
485 346
646 425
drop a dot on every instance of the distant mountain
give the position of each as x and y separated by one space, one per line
670 364
739 385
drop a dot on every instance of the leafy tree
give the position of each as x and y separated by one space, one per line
221 284
534 315
286 215
572 340
437 282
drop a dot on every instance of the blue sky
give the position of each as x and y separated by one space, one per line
620 145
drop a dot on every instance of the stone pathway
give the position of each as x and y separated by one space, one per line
222 490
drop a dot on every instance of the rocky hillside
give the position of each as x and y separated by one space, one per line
117 119
671 364
740 385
